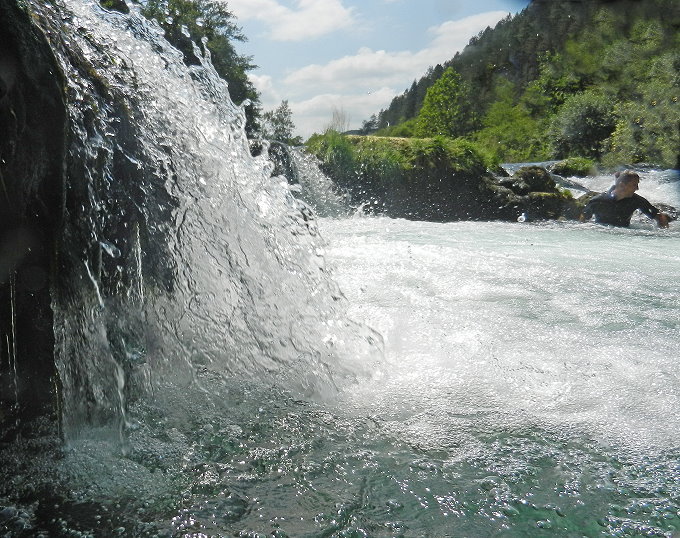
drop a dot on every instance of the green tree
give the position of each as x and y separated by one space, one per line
369 126
555 83
278 124
583 124
648 129
445 110
509 131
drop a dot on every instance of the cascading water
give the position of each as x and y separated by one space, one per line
531 369
187 256
315 189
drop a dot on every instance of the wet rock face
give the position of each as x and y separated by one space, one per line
530 179
32 119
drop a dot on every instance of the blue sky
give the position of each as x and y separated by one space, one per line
353 56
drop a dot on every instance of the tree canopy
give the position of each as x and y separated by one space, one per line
278 125
445 110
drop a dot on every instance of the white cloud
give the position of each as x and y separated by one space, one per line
314 114
269 95
454 35
364 83
369 68
310 19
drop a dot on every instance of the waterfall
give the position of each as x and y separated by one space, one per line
197 329
315 188
178 253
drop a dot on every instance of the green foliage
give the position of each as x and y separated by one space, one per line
574 166
647 130
509 131
445 154
582 125
445 110
377 163
648 126
337 155
278 125
116 5
359 164
406 129
189 22
538 76
512 49
436 178
556 82
369 164
631 57
369 126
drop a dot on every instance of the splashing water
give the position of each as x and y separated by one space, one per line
199 260
531 371
315 188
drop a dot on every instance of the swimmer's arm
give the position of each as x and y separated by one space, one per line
662 220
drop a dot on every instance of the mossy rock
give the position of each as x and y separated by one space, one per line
574 166
530 179
537 178
551 205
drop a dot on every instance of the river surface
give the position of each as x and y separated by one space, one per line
339 376
529 386
532 367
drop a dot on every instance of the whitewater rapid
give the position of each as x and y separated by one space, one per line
219 376
569 327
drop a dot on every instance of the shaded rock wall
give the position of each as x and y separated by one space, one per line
75 227
32 123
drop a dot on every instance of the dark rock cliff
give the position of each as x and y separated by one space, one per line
32 123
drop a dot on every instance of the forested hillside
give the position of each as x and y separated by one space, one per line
589 78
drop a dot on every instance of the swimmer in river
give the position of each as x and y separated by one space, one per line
617 205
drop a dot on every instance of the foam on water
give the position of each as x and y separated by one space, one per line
531 378
564 326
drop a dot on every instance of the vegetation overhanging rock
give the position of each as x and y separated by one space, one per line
437 179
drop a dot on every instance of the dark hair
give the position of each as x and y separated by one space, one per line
626 176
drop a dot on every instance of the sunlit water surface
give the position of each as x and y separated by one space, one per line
530 384
532 367
528 380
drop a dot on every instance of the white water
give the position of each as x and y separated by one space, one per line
315 189
223 270
527 366
568 327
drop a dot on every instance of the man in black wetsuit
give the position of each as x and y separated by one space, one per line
617 205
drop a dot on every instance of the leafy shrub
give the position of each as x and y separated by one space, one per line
647 128
582 125
574 166
406 129
336 154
